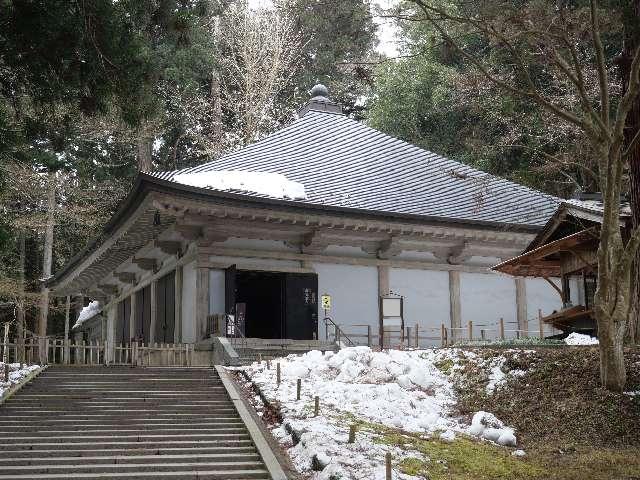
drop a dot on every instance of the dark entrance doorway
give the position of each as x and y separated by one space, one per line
276 304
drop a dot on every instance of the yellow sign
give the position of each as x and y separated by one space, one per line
326 302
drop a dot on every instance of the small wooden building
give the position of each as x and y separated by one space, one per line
326 205
567 248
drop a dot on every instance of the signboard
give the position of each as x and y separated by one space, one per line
326 302
391 307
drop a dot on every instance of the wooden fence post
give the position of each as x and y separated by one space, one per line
316 407
443 335
501 328
278 373
387 461
298 388
352 433
417 337
540 324
369 335
470 327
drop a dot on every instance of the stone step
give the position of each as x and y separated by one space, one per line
200 474
25 455
151 444
128 467
121 430
148 423
146 437
139 459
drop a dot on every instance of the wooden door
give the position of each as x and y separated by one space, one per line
301 306
165 309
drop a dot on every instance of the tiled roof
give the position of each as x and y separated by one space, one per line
344 163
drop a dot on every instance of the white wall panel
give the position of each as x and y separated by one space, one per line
484 298
354 294
216 291
426 298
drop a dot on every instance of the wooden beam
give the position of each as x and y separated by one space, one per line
169 247
389 248
147 264
313 243
189 232
109 289
126 277
557 289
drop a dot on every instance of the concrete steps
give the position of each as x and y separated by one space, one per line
122 422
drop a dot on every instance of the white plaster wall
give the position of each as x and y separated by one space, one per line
484 298
354 296
541 295
216 291
426 299
189 302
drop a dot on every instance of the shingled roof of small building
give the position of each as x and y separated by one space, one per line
343 163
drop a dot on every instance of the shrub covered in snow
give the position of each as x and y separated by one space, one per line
580 339
406 390
16 374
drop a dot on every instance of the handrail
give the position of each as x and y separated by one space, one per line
339 333
237 332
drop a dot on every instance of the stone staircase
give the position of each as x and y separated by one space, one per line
123 422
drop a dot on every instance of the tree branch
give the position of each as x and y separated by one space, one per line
600 63
532 94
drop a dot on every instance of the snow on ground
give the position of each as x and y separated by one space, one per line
405 390
271 184
88 312
15 374
580 339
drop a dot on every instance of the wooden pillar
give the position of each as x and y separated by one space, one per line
202 301
521 306
132 315
178 304
455 308
153 288
383 289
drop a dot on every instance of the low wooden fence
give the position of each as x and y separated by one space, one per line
58 351
417 336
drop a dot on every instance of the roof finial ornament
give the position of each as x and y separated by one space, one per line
319 93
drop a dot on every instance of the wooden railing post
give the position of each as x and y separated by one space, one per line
417 337
540 324
501 328
369 335
443 335
470 327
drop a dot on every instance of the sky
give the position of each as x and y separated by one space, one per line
388 45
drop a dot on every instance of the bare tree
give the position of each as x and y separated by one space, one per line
260 51
545 35
47 259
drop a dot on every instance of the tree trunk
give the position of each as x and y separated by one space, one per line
613 374
144 145
631 42
48 254
216 111
20 304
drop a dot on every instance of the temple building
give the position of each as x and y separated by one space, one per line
324 206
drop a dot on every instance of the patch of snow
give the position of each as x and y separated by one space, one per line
15 374
518 453
633 394
580 339
273 185
88 312
396 389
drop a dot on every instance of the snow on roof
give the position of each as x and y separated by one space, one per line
343 163
273 185
88 312
596 206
